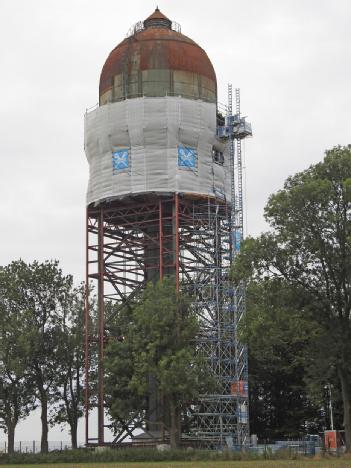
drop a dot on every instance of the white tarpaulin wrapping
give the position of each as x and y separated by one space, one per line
142 145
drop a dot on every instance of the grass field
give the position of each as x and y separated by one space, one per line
325 463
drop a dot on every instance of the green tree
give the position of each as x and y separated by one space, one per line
309 246
278 332
43 293
125 404
159 345
17 393
68 407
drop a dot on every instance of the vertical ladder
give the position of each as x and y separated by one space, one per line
236 234
239 208
232 171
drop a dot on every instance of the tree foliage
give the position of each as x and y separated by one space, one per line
158 346
46 299
68 397
278 335
309 247
16 387
40 332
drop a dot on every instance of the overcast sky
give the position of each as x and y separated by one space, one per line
291 59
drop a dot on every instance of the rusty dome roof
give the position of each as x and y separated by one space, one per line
157 15
156 46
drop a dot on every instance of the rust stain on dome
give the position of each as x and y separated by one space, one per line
158 47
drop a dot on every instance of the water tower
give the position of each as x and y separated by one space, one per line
165 198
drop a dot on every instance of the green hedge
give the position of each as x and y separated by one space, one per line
133 455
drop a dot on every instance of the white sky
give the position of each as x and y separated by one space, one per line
291 59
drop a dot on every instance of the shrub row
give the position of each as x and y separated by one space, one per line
135 455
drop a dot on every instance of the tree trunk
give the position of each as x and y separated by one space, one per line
44 423
346 405
73 427
11 438
174 432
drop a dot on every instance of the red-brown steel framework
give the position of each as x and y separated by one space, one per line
140 239
117 236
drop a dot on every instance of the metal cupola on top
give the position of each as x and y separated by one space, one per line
157 60
165 198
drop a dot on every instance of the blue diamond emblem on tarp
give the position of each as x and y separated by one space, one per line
187 157
120 159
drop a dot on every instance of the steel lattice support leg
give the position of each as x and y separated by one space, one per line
101 328
86 336
127 245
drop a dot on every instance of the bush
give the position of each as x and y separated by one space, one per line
133 455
